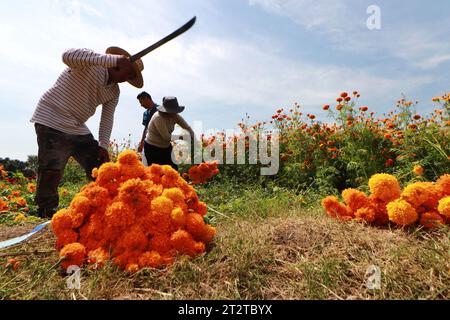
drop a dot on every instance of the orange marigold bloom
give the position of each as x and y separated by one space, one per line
366 214
444 207
402 213
379 206
98 257
385 187
108 177
73 254
160 243
21 202
418 170
431 220
132 267
162 205
133 193
128 157
178 217
195 225
434 194
416 194
98 196
66 237
209 233
334 208
150 259
202 209
80 204
444 184
183 242
31 187
175 194
355 199
3 205
119 216
133 239
61 221
132 171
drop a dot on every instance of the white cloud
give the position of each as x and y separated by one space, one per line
218 78
419 45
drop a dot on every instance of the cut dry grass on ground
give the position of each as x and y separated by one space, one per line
300 254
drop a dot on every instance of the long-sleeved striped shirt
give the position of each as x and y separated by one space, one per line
77 93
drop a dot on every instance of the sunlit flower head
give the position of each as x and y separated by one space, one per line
384 187
444 207
402 213
73 254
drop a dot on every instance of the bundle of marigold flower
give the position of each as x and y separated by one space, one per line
203 172
424 202
137 216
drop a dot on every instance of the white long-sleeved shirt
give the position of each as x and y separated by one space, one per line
77 93
160 128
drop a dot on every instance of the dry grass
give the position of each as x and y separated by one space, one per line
293 255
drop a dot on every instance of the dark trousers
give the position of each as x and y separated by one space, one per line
55 149
162 156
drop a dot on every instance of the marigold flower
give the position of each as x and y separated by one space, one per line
65 237
178 217
132 267
133 193
73 254
355 199
334 208
21 202
402 213
431 220
195 225
183 242
444 207
160 243
98 257
98 196
444 184
202 209
119 216
61 221
379 206
434 194
418 170
3 206
209 233
416 194
128 157
31 187
175 194
162 205
365 214
20 217
385 187
150 259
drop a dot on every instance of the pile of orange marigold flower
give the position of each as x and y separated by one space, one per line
137 216
202 173
425 202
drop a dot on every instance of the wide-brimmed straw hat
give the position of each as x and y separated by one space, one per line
170 105
138 66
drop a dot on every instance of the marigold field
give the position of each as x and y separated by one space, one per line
354 190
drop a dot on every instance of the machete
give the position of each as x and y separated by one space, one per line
174 34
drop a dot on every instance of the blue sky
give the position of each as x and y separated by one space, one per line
242 56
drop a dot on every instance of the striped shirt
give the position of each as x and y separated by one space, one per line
77 93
